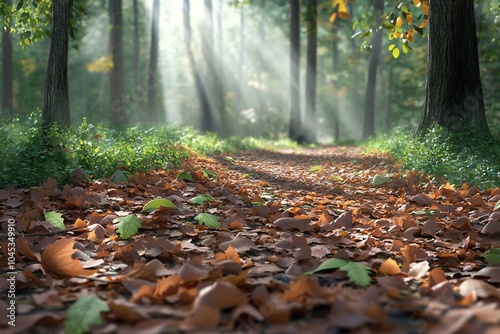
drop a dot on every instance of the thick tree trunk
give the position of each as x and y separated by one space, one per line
7 81
153 63
371 85
118 115
309 132
336 95
136 43
454 95
56 99
294 131
207 112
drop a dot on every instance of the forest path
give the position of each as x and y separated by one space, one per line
405 255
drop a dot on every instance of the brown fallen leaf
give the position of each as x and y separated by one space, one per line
286 223
478 288
389 267
344 220
209 302
57 259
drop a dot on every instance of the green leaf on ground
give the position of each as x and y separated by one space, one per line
379 179
426 213
156 203
82 314
55 219
208 173
316 169
358 273
208 220
201 199
127 226
492 256
120 176
497 206
185 176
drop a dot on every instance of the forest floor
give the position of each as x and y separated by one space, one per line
282 214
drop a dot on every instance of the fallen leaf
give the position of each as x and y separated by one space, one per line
57 259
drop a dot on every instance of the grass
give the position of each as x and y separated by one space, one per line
29 158
463 157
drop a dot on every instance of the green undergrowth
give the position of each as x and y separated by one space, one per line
466 156
29 158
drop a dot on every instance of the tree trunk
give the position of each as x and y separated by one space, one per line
294 130
7 81
388 118
371 85
239 98
200 89
118 109
312 46
56 98
136 44
336 95
207 112
454 95
153 64
262 41
220 69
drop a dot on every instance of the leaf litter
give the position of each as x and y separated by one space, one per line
261 242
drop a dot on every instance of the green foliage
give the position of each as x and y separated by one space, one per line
208 173
157 203
127 226
379 179
29 155
208 219
185 176
358 273
82 314
465 156
55 219
201 199
492 256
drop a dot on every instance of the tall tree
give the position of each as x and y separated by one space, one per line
56 98
454 94
220 68
239 98
200 89
7 81
118 109
309 132
371 84
207 104
336 95
136 42
153 63
294 130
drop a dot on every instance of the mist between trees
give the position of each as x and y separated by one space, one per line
261 68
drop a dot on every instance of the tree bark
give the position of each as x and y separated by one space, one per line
239 98
118 109
336 95
309 132
207 112
153 63
294 130
371 85
136 43
56 98
454 95
7 81
220 69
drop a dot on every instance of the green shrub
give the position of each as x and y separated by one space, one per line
30 157
465 156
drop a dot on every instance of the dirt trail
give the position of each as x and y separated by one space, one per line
282 214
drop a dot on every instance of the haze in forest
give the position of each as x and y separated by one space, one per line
251 54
